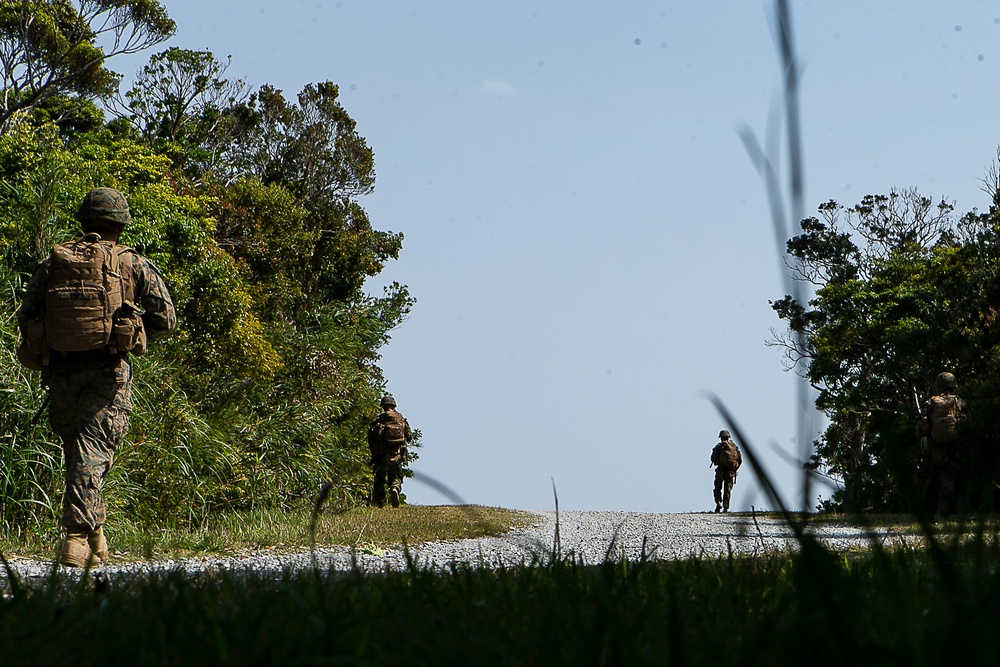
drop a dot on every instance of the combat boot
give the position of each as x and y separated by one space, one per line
394 497
98 544
75 550
718 507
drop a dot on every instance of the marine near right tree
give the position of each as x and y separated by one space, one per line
903 288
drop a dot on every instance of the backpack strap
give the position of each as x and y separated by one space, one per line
126 266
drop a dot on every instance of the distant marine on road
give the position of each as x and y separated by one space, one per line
727 459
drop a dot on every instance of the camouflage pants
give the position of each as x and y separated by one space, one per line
724 481
89 410
386 471
941 490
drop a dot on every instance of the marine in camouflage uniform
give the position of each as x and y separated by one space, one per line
947 458
725 474
387 459
90 392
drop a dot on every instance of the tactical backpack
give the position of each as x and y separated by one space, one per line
89 301
388 435
729 457
393 431
943 416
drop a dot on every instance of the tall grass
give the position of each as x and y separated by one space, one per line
31 466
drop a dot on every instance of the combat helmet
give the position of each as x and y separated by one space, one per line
104 204
724 435
946 381
388 401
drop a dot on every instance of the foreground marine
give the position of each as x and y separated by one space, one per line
89 307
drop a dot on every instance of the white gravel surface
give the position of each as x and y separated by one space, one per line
588 536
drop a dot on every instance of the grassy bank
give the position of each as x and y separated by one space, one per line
364 528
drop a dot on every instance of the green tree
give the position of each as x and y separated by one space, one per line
53 52
283 189
287 176
182 104
904 290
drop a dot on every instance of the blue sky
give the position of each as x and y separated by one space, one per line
588 243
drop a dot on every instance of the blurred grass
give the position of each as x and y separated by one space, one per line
814 606
230 534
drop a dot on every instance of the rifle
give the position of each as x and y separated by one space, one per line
924 440
41 408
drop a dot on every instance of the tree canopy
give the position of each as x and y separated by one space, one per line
53 52
182 105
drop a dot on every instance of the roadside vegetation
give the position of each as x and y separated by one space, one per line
249 201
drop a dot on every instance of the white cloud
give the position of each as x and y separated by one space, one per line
498 87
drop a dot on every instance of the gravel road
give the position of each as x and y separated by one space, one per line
588 536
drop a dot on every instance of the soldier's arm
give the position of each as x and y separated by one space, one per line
159 317
963 415
33 301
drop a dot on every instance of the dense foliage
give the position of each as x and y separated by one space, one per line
249 205
904 290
